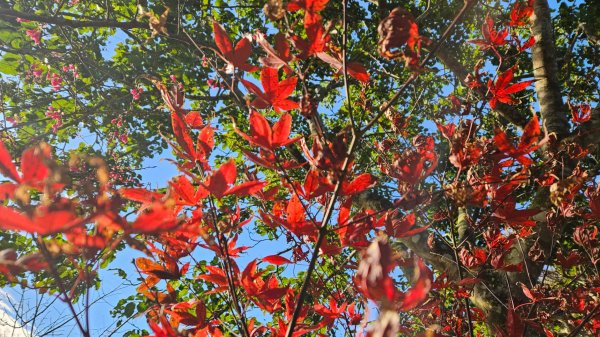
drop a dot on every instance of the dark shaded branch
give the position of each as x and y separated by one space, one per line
207 97
61 21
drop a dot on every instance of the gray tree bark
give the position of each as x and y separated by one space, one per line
545 70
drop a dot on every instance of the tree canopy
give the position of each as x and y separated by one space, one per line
353 167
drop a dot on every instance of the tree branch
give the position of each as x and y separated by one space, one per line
61 21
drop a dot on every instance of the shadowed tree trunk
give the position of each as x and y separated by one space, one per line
545 70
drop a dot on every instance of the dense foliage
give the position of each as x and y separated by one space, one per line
345 167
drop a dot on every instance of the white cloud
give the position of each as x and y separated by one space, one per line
9 327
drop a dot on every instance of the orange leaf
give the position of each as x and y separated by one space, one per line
7 168
181 134
13 220
295 211
276 260
275 93
247 188
32 165
359 184
418 293
140 195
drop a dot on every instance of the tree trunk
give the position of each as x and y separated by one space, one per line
545 70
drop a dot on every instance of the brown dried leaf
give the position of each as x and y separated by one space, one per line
387 325
396 31
274 10
158 24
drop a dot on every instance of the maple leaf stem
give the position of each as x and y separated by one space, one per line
321 237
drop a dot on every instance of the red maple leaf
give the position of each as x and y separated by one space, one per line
232 250
359 184
281 329
399 227
221 181
418 293
163 330
184 192
262 135
372 277
267 159
33 169
399 37
315 185
317 38
154 217
332 313
45 220
296 218
276 260
141 195
217 276
491 37
354 69
504 204
181 313
502 89
524 45
520 14
236 57
410 167
205 145
180 130
267 295
528 143
276 92
276 57
156 213
312 6
580 113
